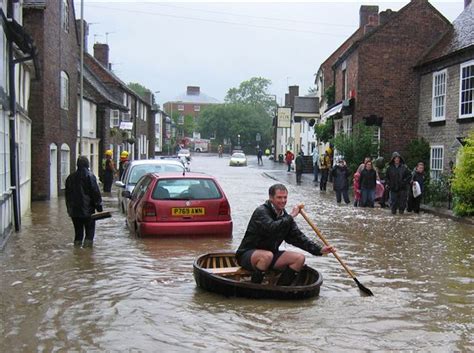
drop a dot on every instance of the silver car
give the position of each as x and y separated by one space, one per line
136 169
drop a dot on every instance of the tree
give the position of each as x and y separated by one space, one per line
325 132
253 92
139 89
463 182
226 121
330 95
356 146
418 151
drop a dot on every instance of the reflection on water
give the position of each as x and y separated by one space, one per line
139 294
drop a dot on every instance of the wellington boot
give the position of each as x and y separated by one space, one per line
257 276
88 243
287 277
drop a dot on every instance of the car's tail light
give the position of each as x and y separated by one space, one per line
224 208
148 213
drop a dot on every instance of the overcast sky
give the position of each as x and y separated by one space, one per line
167 46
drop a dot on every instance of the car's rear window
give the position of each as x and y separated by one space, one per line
238 155
140 170
186 189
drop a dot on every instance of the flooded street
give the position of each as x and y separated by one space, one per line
139 295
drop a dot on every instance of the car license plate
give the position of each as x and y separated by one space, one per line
188 211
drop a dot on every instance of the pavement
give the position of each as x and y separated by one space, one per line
279 173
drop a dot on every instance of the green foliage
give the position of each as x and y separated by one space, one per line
325 132
330 95
229 120
437 191
356 146
418 151
139 89
188 126
463 182
253 92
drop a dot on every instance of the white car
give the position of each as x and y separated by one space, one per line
238 159
136 169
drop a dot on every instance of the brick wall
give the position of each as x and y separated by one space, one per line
387 84
58 51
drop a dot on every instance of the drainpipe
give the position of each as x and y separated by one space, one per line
14 180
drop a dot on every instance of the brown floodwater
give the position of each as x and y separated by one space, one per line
139 295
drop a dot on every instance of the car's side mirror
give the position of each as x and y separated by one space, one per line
127 194
119 184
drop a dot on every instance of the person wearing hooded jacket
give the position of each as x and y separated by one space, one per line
82 199
397 179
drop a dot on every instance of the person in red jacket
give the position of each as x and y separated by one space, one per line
289 156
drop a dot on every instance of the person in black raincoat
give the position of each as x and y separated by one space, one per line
268 227
340 175
299 166
82 199
397 179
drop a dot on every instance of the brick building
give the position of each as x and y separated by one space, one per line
375 81
446 109
53 103
190 103
132 129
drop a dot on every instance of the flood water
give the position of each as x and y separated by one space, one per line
139 295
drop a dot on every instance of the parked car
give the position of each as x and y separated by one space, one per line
177 205
238 159
136 169
184 152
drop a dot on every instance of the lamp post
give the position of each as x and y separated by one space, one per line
238 140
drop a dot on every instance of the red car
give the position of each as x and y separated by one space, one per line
177 204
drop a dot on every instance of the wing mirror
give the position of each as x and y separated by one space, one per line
119 184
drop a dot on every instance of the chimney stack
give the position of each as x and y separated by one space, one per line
86 32
293 92
101 53
368 14
193 90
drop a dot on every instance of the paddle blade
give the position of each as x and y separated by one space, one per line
366 290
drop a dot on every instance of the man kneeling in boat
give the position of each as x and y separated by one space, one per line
268 227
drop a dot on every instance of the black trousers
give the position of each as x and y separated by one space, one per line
413 203
398 200
81 224
345 195
108 180
324 179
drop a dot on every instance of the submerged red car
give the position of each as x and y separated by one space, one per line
177 204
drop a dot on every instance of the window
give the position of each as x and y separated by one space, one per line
114 118
439 95
64 91
436 162
181 120
467 90
180 107
65 164
197 108
65 16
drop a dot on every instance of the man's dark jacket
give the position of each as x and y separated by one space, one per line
82 194
397 178
266 231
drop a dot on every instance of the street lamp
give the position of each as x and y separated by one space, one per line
238 140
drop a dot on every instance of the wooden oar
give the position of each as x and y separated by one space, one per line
318 232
